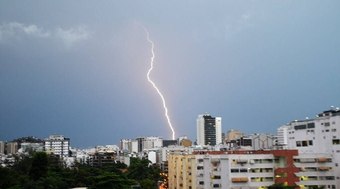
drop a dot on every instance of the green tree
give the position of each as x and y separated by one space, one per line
8 178
39 166
113 181
142 171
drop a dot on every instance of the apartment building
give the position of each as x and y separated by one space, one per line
140 144
232 169
12 147
320 135
315 170
209 130
58 145
2 147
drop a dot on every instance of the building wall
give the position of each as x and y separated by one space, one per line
282 137
263 141
11 147
2 147
141 144
218 124
233 135
58 145
200 130
315 170
316 136
231 169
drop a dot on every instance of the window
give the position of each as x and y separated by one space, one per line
310 143
327 124
243 170
304 143
333 130
299 127
336 141
234 170
201 182
298 143
311 125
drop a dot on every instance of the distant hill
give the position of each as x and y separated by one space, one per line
29 139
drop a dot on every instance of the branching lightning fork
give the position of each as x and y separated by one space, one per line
154 85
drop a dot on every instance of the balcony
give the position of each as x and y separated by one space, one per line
324 168
239 179
242 161
322 159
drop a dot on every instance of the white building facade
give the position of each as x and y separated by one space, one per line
58 145
320 135
140 144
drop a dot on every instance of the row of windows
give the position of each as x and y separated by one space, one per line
252 161
238 170
313 160
252 179
303 178
57 142
252 170
261 179
304 143
309 126
314 169
312 131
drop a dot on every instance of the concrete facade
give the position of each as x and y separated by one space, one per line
232 169
58 145
320 135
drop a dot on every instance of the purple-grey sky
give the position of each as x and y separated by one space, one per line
78 68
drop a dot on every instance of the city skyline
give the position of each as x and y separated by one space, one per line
78 69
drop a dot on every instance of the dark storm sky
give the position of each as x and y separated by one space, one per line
78 68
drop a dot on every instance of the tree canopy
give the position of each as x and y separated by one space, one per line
43 171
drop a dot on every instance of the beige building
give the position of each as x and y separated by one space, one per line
233 135
2 147
11 147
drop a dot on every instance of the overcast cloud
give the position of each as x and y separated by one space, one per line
78 68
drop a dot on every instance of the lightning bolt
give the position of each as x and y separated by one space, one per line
154 85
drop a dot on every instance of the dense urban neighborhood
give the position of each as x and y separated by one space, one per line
302 154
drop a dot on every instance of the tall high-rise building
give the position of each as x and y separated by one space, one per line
209 130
